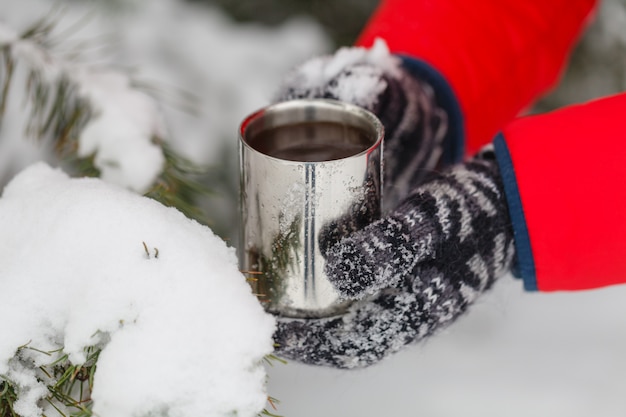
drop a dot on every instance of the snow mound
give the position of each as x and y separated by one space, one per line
85 263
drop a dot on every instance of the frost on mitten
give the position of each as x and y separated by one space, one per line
413 271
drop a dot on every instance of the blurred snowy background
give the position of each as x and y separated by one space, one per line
514 354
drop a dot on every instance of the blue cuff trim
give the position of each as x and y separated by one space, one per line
454 149
525 265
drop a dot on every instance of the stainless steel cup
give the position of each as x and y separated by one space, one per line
305 165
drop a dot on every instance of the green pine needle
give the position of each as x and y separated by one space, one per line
180 185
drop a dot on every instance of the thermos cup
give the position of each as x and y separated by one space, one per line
304 166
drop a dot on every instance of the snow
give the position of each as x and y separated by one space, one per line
122 134
377 55
316 72
179 327
7 35
361 85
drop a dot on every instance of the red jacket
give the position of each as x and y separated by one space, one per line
564 172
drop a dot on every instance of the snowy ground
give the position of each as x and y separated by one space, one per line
514 354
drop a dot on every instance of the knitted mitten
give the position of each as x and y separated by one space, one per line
413 271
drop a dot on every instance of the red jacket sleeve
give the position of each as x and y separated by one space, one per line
565 180
497 56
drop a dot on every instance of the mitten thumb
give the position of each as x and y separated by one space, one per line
383 253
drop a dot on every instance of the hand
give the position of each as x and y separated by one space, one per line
412 272
443 241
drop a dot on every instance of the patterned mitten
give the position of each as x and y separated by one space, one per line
412 272
415 127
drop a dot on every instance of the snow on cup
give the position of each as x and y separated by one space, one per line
310 172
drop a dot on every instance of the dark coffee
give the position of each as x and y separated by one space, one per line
311 141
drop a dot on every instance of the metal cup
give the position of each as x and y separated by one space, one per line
305 165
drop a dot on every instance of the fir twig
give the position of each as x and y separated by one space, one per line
69 385
9 67
180 185
59 113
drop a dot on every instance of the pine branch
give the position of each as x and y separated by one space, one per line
9 66
180 185
59 112
69 385
8 396
58 115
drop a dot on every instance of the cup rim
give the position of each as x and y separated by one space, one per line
321 103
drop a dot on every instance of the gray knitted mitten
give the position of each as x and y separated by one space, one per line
412 272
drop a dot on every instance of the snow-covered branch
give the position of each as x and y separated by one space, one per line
123 124
85 264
